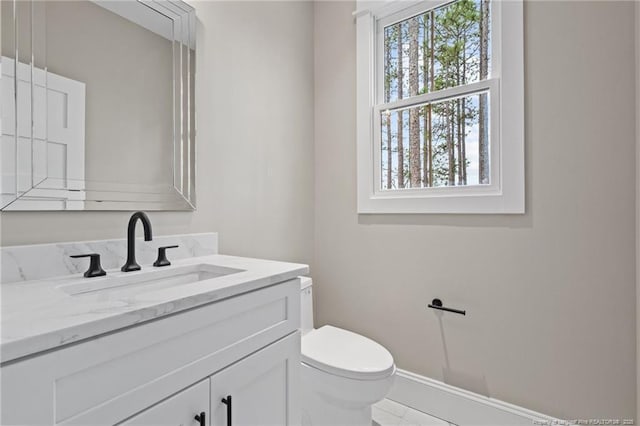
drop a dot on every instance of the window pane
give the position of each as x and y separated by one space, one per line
436 144
441 48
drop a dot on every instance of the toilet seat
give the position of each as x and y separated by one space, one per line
346 354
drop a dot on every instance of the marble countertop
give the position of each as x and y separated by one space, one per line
39 315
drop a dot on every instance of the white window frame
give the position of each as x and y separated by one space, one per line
506 191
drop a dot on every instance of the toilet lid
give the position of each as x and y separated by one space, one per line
347 354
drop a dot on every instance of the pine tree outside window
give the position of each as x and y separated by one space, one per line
440 107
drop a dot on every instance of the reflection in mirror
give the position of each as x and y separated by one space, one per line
104 116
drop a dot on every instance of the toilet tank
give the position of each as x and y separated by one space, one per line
306 304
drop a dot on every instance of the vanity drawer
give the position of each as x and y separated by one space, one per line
109 378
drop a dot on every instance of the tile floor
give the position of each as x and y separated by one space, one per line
390 413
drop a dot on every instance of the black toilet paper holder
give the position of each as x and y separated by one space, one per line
437 304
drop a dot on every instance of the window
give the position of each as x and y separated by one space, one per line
440 107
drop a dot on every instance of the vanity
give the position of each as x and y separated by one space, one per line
99 114
209 340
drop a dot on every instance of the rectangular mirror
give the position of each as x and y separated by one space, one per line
97 105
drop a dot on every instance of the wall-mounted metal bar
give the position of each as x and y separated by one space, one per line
437 304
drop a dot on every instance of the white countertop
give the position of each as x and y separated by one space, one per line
37 315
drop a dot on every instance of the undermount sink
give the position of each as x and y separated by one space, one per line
156 279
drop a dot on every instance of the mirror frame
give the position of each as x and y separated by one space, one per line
49 194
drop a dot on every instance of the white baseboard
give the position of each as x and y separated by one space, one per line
460 406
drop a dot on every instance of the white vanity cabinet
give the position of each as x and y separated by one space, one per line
170 369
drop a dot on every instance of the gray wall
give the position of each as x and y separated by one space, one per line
550 294
254 144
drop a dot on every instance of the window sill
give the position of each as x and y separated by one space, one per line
465 200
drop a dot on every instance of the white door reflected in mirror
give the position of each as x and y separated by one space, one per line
46 159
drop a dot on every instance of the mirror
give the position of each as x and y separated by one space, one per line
97 105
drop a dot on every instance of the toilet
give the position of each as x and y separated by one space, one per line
343 373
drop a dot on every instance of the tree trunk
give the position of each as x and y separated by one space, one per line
450 144
425 110
387 98
414 118
432 55
463 153
460 142
483 112
400 113
457 120
463 119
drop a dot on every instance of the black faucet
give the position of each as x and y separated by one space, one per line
131 264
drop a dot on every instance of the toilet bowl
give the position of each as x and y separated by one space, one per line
343 373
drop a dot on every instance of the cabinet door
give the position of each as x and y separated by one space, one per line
261 389
178 410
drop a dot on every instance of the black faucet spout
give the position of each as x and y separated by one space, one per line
131 264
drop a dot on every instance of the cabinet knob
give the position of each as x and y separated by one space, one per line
201 418
227 401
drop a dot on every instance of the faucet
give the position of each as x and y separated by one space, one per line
131 264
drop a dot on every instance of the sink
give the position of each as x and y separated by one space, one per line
156 279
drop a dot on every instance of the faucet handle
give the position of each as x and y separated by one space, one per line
162 256
95 270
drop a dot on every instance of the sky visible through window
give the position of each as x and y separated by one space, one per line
443 143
